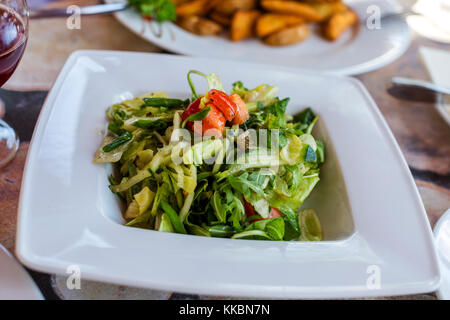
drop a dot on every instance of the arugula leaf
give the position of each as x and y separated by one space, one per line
305 117
255 120
243 185
276 118
223 202
220 209
237 211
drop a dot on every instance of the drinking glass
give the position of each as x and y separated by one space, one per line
13 39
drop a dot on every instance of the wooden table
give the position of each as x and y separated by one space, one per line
422 134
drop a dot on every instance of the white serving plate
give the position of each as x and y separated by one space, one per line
15 282
442 241
357 51
367 201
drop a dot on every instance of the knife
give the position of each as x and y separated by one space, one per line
84 10
422 91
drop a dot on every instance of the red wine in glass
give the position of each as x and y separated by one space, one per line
13 39
12 42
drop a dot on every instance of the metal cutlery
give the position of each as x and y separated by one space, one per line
84 10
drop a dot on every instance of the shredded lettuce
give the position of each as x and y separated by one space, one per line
242 187
264 94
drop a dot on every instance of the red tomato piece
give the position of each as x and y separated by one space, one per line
214 122
274 213
241 109
223 102
193 108
249 211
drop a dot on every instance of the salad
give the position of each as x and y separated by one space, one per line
218 165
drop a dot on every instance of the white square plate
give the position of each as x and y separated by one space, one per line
377 237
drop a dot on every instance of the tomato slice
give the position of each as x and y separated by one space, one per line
274 213
241 109
223 102
214 122
193 108
249 211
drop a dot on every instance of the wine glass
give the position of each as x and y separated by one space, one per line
13 39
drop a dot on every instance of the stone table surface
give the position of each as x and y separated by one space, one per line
423 136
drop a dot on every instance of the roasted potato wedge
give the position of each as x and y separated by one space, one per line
326 10
338 23
272 22
229 7
192 8
243 24
206 27
199 25
288 36
220 18
188 23
291 7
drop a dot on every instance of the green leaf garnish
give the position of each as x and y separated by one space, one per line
125 137
160 10
151 124
199 116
